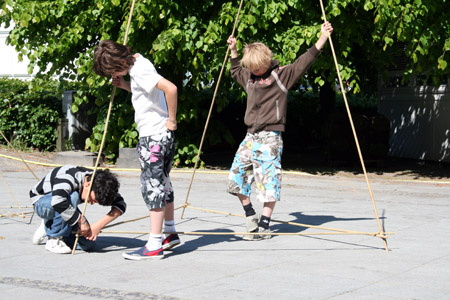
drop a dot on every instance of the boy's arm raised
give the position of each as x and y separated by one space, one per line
326 30
232 46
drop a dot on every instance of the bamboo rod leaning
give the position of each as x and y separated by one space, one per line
104 132
12 195
28 167
6 184
353 128
210 110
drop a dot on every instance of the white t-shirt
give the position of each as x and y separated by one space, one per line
149 103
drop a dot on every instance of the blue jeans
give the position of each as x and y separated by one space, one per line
55 226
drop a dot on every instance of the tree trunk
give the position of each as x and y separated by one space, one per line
327 96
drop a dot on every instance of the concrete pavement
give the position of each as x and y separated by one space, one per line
417 265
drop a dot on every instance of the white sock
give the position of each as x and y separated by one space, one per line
169 226
154 242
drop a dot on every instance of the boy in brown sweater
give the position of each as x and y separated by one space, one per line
258 158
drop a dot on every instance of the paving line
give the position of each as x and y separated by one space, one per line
80 290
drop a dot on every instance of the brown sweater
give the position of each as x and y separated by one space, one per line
267 97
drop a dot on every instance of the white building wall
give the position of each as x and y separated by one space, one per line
9 61
419 119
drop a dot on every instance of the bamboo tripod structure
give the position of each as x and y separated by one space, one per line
330 231
381 233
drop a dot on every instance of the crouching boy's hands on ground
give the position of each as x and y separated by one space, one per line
84 228
96 227
95 230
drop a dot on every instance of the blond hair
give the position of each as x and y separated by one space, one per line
256 56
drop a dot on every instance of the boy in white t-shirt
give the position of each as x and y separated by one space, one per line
154 100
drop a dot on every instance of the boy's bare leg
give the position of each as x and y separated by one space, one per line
245 200
268 208
156 220
169 214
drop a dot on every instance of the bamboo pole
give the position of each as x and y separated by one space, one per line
11 214
282 222
104 132
21 158
353 129
126 221
210 111
12 195
375 234
29 169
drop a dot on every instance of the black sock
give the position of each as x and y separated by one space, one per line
249 211
264 222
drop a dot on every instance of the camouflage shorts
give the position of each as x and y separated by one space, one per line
156 154
258 159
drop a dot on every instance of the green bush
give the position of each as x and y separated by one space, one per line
29 112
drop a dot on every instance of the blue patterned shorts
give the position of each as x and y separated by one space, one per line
156 154
258 159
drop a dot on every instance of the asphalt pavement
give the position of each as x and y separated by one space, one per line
334 256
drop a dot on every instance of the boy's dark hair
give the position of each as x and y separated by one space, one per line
111 57
105 187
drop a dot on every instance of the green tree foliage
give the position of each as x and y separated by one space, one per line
29 112
186 40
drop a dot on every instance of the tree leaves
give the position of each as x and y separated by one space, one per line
186 40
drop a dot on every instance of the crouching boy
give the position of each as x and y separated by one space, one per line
56 197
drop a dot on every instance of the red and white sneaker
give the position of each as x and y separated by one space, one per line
144 253
171 241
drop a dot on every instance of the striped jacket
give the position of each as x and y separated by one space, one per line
61 182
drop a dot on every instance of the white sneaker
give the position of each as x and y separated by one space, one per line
40 235
252 226
57 245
